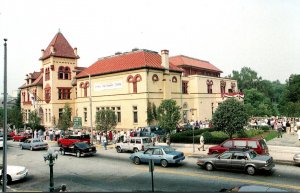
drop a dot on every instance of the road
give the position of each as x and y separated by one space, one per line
109 171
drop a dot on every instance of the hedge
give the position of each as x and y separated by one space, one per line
211 136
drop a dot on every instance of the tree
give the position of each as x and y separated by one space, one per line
151 113
246 78
105 119
230 116
65 120
34 120
15 117
168 115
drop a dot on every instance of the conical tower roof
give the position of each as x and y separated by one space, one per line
61 48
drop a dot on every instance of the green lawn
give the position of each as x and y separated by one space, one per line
271 135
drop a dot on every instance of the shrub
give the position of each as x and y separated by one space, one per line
215 137
265 128
187 136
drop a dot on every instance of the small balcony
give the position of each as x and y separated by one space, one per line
233 94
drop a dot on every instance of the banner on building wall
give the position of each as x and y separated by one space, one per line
108 86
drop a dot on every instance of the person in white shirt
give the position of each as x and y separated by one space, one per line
298 132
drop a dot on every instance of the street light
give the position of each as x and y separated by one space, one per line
90 100
51 156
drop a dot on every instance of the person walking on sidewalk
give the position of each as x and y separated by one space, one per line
279 130
201 143
298 132
104 141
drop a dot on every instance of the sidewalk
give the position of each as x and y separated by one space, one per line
281 149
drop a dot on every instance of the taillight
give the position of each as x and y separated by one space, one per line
142 148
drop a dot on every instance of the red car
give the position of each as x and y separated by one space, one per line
69 140
257 145
21 137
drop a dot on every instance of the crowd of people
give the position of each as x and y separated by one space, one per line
290 125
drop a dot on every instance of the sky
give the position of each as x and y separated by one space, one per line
261 34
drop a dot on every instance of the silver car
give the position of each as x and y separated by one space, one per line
238 159
297 158
33 144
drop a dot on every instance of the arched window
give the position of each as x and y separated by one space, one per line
174 79
86 85
47 93
47 74
223 85
67 73
209 86
61 72
155 77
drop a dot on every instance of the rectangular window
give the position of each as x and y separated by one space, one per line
60 112
185 87
85 114
209 89
239 143
64 93
135 114
119 114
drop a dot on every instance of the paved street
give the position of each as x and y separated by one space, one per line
110 171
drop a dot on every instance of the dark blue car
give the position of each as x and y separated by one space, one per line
162 155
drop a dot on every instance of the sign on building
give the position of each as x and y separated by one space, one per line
108 85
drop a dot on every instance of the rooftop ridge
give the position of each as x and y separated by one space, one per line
190 58
126 53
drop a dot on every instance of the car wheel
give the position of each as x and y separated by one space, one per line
164 163
119 150
136 160
250 170
77 153
209 167
135 150
8 179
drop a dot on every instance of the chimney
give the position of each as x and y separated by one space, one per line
52 49
165 59
75 51
42 50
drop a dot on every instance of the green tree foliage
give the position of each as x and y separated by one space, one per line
230 116
290 103
34 120
246 78
15 117
151 113
168 115
106 119
257 104
65 120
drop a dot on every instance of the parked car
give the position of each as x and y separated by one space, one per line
238 159
14 173
33 144
70 139
253 188
259 145
134 144
297 158
162 155
21 137
79 149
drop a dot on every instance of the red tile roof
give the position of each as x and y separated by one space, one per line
37 78
127 61
182 60
62 48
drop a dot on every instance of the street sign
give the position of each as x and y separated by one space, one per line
77 123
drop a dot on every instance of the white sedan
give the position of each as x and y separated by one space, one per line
14 173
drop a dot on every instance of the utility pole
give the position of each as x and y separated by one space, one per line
4 170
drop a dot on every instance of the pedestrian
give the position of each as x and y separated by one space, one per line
98 138
104 141
288 127
63 188
298 132
279 130
201 143
51 135
57 135
110 135
262 137
168 140
35 134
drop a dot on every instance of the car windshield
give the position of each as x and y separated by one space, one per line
36 141
82 145
252 154
168 149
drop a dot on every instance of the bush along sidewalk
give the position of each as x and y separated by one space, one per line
212 136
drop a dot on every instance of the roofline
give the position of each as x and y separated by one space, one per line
41 58
26 86
190 58
126 70
200 68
